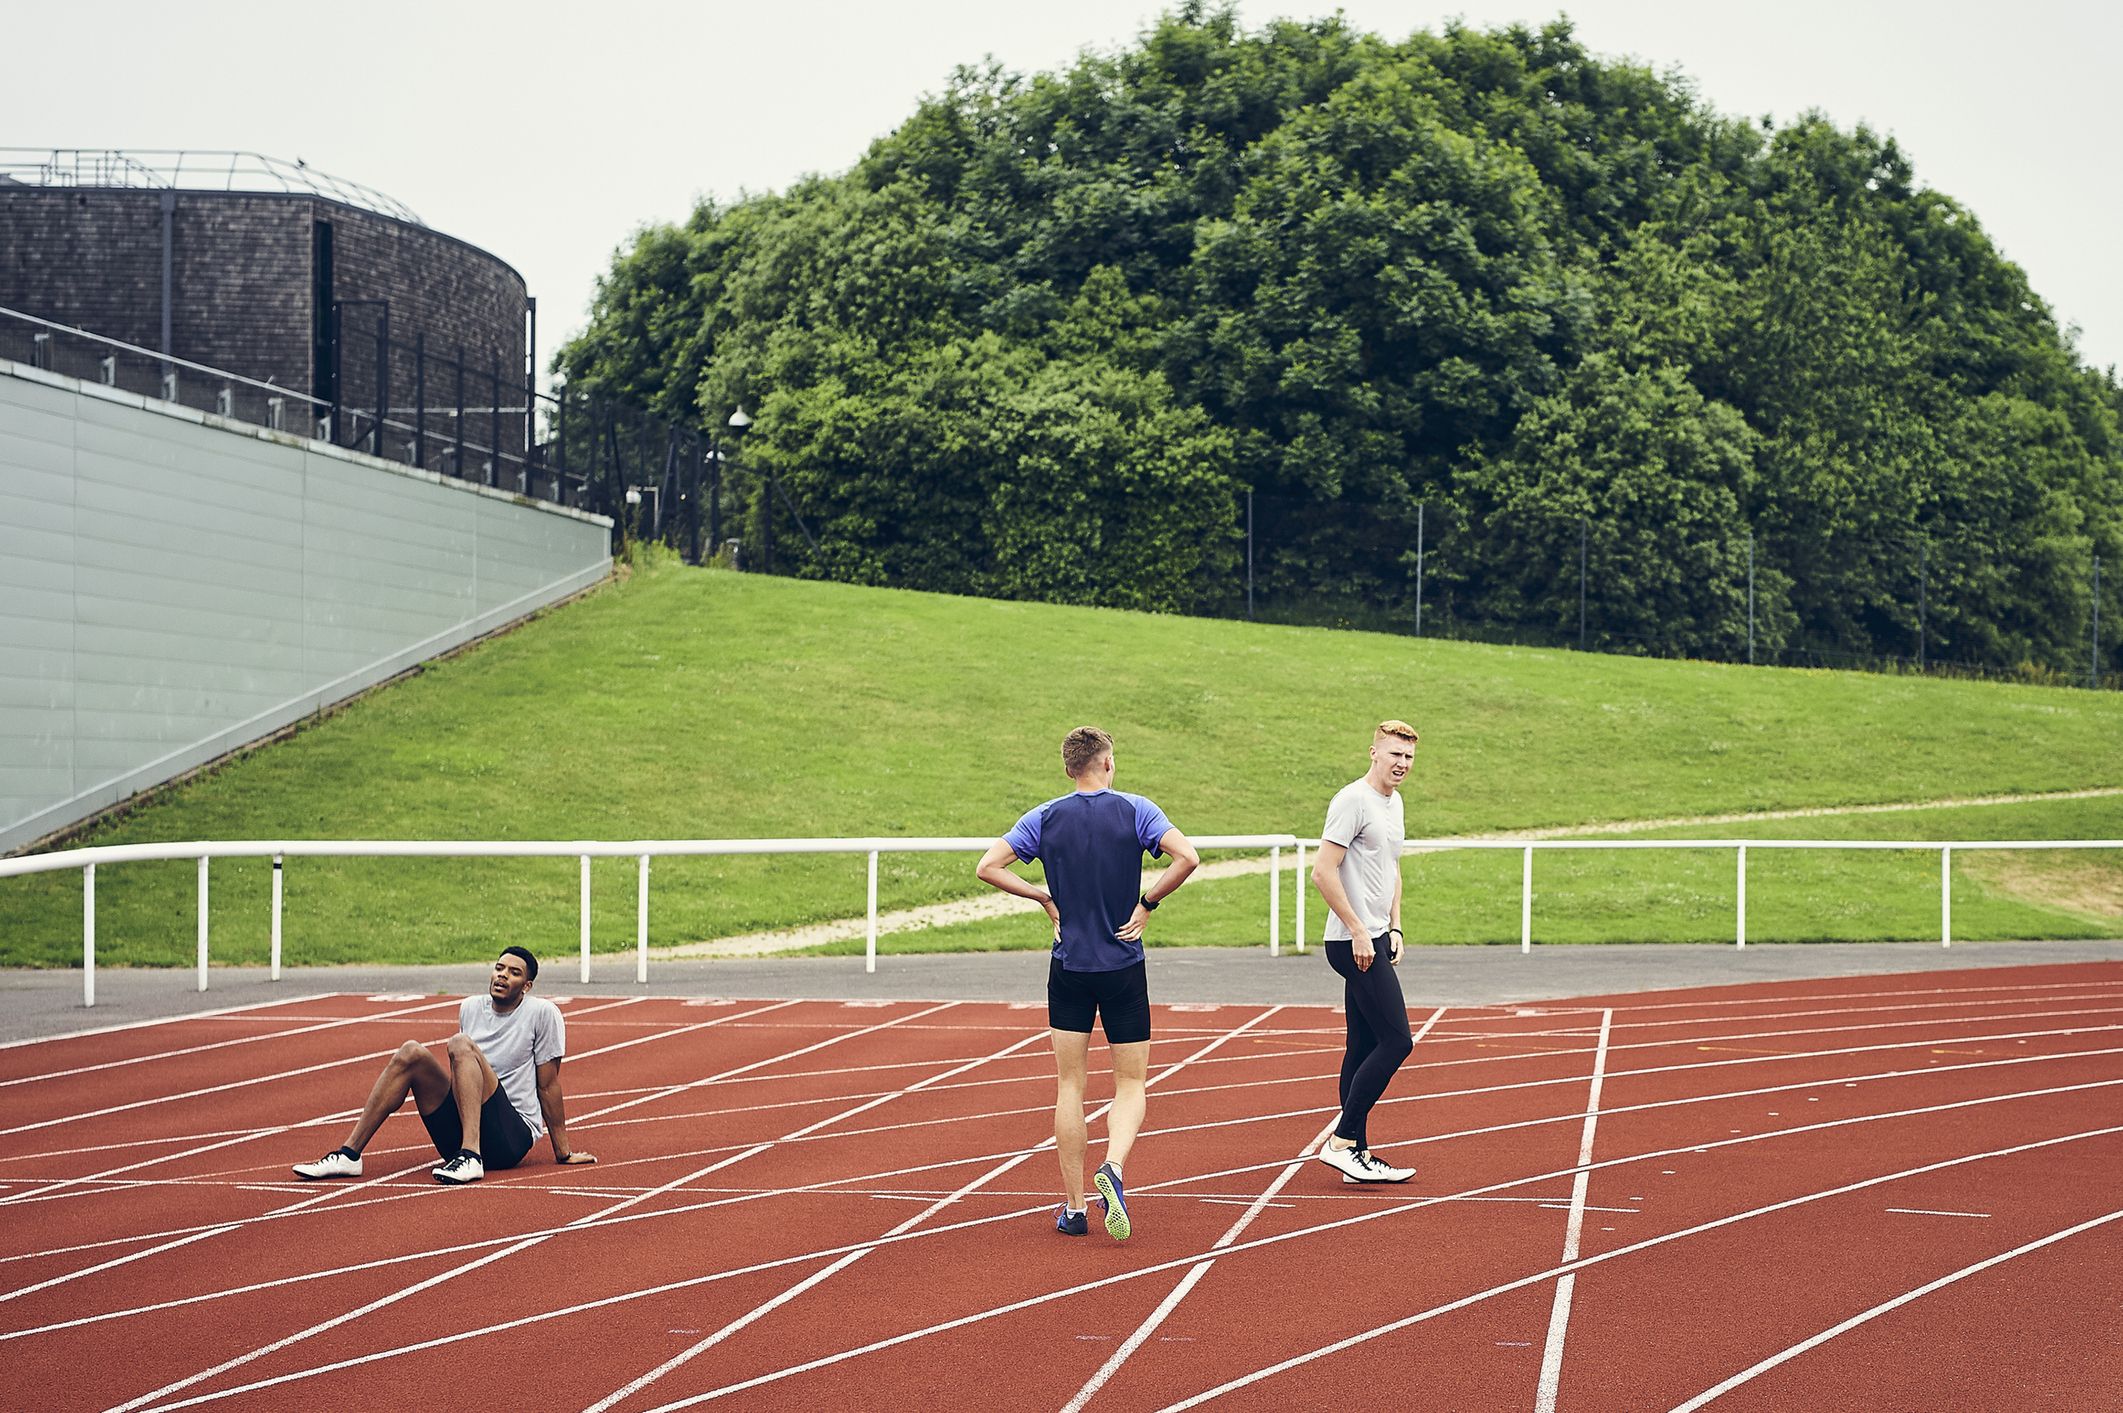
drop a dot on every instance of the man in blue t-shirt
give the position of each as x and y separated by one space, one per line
1092 843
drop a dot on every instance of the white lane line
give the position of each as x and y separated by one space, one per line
1478 1297
493 1256
1755 1370
1540 1278
459 1338
170 1020
830 1184
1785 1000
71 1186
1927 1212
1171 1302
310 1029
212 1089
818 1277
1559 1312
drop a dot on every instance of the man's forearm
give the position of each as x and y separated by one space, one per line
556 1122
1330 887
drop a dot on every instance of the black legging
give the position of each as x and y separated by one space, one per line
1378 1033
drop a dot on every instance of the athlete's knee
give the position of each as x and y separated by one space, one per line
408 1054
1397 1045
461 1045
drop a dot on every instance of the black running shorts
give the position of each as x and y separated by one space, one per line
1120 999
504 1137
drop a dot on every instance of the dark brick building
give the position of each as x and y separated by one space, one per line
246 281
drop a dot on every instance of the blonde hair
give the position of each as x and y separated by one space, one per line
1083 746
1394 726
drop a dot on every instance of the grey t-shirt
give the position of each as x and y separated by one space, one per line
516 1045
1371 827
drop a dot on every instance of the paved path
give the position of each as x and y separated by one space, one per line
40 1003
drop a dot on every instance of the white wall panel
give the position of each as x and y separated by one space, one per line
172 589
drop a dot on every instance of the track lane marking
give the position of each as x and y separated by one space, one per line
1045 1145
506 1251
1794 1351
1551 1374
1233 1385
1178 1293
458 1338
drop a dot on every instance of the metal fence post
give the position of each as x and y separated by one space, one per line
420 399
1526 903
1923 594
88 935
494 421
457 430
276 916
1741 936
870 945
585 919
1419 507
641 924
1584 538
1300 895
1946 895
1275 901
202 921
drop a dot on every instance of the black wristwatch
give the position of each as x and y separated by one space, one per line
1144 900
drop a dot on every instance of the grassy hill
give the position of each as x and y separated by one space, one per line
699 703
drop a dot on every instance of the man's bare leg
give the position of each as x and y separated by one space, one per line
472 1082
413 1070
1131 1064
1070 1050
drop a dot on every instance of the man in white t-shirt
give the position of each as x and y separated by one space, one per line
1358 872
498 1089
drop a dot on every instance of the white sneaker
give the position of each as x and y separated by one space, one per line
464 1168
1348 1161
1384 1171
331 1165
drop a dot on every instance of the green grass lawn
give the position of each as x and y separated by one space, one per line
691 703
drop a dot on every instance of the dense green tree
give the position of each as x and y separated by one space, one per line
1055 334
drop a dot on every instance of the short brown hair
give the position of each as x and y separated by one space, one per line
1394 726
1083 746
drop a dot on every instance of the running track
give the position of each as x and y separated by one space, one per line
1880 1192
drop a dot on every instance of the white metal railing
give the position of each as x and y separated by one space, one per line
641 849
645 849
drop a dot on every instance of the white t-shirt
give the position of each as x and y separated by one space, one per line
1371 827
516 1044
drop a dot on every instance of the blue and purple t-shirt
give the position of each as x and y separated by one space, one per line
1092 845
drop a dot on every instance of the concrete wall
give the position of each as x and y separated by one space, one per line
173 586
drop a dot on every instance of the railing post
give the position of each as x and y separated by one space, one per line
276 916
1275 900
202 921
641 924
88 934
870 946
1526 903
585 919
1946 895
1741 938
1301 880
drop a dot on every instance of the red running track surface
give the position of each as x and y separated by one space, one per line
1877 1192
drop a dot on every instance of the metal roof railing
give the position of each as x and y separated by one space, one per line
184 169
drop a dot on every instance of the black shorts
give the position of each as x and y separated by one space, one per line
504 1137
1121 1000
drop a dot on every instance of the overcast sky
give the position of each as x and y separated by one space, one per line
546 132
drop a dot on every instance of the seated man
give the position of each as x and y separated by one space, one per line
503 1040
